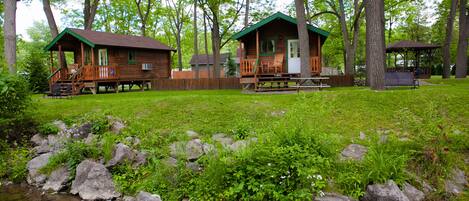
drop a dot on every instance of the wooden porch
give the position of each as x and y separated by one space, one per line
252 67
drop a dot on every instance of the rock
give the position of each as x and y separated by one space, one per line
93 181
412 193
384 192
81 132
38 139
144 196
42 148
194 166
383 138
140 159
354 152
208 148
240 144
362 135
172 162
194 149
117 125
177 148
457 132
34 177
90 139
224 140
129 198
56 142
333 197
60 125
192 134
457 182
121 154
279 113
57 180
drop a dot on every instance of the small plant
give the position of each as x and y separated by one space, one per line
13 162
48 129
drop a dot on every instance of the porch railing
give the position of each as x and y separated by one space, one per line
88 73
247 67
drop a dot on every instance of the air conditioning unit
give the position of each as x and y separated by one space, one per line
147 66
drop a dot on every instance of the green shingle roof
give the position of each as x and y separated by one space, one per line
273 17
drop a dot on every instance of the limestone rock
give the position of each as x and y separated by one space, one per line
34 177
129 198
93 182
38 139
177 148
194 166
60 125
140 159
172 162
208 148
362 135
57 180
240 144
412 193
333 197
224 140
194 149
457 182
354 152
384 192
144 196
192 134
121 154
117 125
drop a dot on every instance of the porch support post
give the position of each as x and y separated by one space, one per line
60 53
82 55
257 44
92 63
319 53
51 61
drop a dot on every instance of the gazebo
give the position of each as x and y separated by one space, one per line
417 57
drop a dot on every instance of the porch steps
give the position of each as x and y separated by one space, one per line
61 89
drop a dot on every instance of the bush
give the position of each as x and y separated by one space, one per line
36 72
47 129
13 162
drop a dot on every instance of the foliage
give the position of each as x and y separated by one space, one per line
231 68
71 156
14 96
13 162
47 129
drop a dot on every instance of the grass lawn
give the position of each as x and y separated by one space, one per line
335 115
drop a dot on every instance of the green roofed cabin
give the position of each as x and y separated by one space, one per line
270 48
105 59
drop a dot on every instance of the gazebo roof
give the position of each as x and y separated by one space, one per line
408 45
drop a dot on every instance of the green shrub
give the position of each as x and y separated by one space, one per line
13 162
48 129
98 120
71 156
36 72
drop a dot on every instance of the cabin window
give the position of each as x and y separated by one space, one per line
132 58
268 46
87 56
102 57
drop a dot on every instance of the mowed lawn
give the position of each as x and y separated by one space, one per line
340 112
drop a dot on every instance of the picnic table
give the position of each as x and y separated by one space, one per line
317 82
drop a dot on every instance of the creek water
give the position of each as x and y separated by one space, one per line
24 192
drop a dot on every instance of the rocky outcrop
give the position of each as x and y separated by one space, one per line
116 125
224 140
412 193
38 139
384 192
192 134
144 196
333 197
34 165
93 182
354 152
121 154
194 149
456 183
57 180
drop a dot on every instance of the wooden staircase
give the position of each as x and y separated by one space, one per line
69 86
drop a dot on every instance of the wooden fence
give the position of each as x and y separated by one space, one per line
195 84
340 80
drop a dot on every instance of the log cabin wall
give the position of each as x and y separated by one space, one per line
280 31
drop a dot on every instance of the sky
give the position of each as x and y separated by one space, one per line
26 14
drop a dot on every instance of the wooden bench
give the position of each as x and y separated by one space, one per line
395 79
317 83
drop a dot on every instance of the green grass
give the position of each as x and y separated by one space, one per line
333 117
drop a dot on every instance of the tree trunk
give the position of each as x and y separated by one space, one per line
461 57
375 44
350 46
216 48
143 16
196 43
89 11
246 14
179 49
9 29
207 65
449 35
53 29
303 38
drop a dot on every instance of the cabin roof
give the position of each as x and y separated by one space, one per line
202 58
405 45
276 16
93 38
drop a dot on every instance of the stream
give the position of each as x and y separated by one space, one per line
24 192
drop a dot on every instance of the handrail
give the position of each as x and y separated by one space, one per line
55 72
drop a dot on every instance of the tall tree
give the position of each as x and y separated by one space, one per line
143 15
207 66
461 57
303 38
53 28
9 30
447 44
89 11
196 43
246 14
350 45
177 16
222 15
375 43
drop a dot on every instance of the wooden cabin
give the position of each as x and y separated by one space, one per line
105 59
270 50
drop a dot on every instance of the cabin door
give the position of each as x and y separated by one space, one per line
294 61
